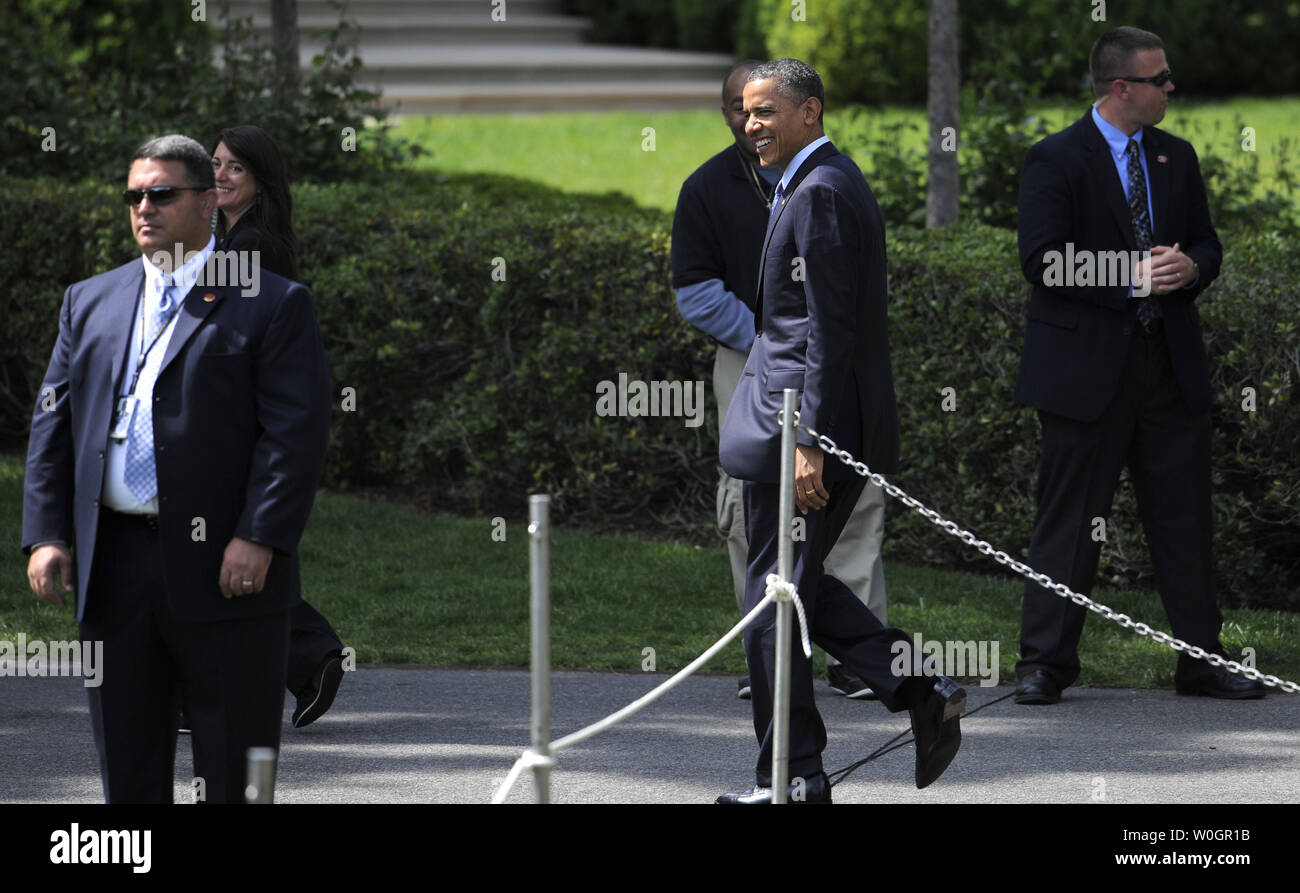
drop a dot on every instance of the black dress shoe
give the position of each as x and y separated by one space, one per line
1219 683
1037 688
936 725
814 790
319 694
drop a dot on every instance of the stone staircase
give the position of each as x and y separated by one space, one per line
441 56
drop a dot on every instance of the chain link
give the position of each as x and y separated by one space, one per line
1043 580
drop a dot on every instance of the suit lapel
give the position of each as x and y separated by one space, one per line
1158 183
1101 165
118 319
826 150
201 300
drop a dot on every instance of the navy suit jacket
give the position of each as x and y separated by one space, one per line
1077 336
241 419
822 328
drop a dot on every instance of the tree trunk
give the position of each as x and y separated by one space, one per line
284 46
944 109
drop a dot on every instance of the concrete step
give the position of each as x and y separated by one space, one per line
409 10
437 56
581 95
548 31
468 64
454 28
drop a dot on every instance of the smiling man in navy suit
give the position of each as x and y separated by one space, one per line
822 330
1119 376
174 456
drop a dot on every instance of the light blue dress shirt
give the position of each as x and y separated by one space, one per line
1117 141
117 495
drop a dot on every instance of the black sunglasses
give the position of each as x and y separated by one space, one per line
158 195
1159 80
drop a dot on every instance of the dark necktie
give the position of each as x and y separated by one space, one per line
1148 307
777 198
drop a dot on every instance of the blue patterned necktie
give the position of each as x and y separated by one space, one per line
141 473
777 198
1148 307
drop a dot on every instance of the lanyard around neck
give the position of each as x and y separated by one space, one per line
144 351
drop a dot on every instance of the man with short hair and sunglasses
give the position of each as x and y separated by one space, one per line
175 451
1117 369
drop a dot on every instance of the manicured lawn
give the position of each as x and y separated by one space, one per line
405 586
603 151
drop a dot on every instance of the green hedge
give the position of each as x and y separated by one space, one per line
875 50
870 52
85 82
472 393
956 320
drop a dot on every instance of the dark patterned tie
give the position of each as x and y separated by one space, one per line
1148 307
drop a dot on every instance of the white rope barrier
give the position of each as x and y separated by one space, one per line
780 591
531 758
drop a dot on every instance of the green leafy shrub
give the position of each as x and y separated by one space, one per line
86 81
474 390
870 51
875 50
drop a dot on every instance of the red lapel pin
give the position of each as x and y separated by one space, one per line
1162 158
209 297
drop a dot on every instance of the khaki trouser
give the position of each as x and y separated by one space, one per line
855 560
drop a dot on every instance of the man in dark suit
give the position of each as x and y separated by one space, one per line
822 330
1119 376
175 451
718 229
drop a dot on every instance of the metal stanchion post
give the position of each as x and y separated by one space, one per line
784 569
539 562
261 775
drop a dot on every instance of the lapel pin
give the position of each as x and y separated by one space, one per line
209 298
1162 158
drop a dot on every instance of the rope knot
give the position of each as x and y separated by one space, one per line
531 758
785 591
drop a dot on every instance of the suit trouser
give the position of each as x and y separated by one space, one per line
856 558
311 641
838 621
1148 429
231 674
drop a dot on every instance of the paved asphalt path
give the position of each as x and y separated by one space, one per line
418 735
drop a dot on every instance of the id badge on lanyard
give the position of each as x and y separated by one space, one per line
129 403
122 417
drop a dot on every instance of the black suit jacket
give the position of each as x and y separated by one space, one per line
1077 336
274 253
823 330
241 418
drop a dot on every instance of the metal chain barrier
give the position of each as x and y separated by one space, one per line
1043 580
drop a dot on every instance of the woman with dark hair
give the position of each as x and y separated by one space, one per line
254 205
255 213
